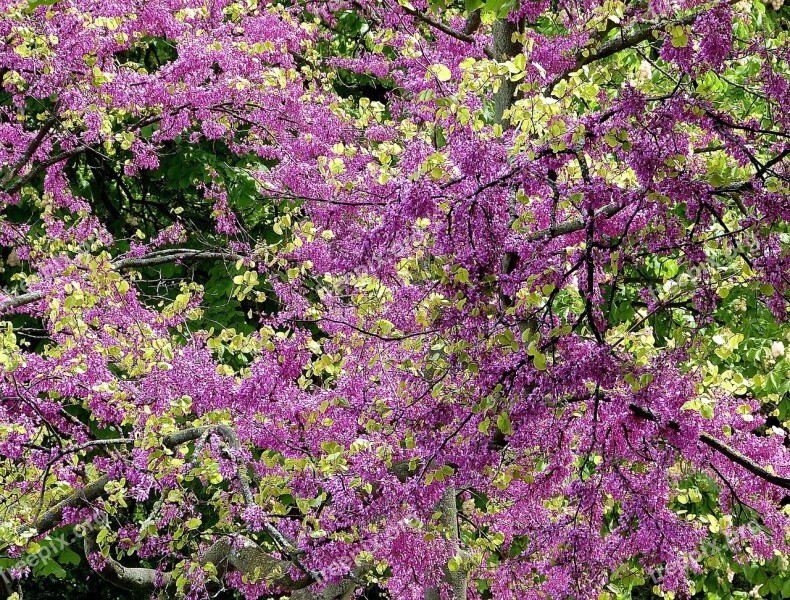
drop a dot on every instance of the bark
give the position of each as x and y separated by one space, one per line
725 450
504 49
456 581
335 591
152 259
79 499
246 557
131 579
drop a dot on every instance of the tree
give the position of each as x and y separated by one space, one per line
427 300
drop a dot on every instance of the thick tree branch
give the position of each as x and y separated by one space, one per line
81 498
52 160
626 39
574 225
151 260
729 452
31 149
464 36
249 558
232 440
131 579
245 556
225 554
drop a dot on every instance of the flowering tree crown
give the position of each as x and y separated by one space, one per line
443 299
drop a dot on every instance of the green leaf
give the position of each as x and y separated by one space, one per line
441 72
679 37
767 289
51 567
67 556
503 423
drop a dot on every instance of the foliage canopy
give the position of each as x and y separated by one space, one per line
481 299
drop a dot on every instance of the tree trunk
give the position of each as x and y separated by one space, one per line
504 49
456 580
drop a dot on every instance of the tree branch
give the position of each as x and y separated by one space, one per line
247 557
463 36
31 149
225 554
158 258
731 453
81 498
131 579
626 39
